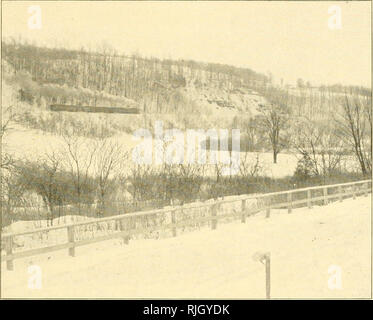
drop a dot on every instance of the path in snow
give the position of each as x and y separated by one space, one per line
218 264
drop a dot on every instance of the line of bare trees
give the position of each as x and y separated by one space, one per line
149 81
341 137
79 172
325 141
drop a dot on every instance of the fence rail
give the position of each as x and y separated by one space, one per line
344 190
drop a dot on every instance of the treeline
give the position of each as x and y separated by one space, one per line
144 188
339 88
95 177
145 80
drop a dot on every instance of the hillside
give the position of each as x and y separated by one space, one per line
149 82
185 94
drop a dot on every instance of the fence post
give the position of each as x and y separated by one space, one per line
70 236
265 259
9 251
214 221
366 189
340 194
268 207
354 191
290 205
309 197
173 220
268 212
268 275
325 192
243 211
124 223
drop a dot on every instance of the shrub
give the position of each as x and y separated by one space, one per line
304 169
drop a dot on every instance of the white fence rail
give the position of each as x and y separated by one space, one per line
127 222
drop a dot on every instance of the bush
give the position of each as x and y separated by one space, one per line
55 187
304 169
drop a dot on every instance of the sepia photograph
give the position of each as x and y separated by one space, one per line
186 150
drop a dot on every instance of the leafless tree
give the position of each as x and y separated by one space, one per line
12 192
355 127
51 165
318 143
7 120
11 189
189 178
275 116
250 168
252 131
137 182
79 159
109 159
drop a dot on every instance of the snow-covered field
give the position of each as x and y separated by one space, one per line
217 264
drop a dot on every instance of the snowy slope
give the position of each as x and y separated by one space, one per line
218 264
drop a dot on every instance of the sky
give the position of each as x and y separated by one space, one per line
289 39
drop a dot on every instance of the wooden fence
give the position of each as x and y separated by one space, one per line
290 199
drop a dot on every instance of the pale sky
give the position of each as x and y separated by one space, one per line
289 39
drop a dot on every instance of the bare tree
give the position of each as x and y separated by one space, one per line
139 182
51 165
79 159
275 116
108 161
250 168
12 191
252 132
319 144
43 177
7 119
189 181
355 127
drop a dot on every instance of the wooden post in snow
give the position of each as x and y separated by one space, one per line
243 211
214 221
173 220
325 193
340 194
123 225
268 212
290 205
268 209
265 258
366 189
71 239
268 275
309 201
9 251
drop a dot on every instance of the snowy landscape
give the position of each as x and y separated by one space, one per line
186 150
217 264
